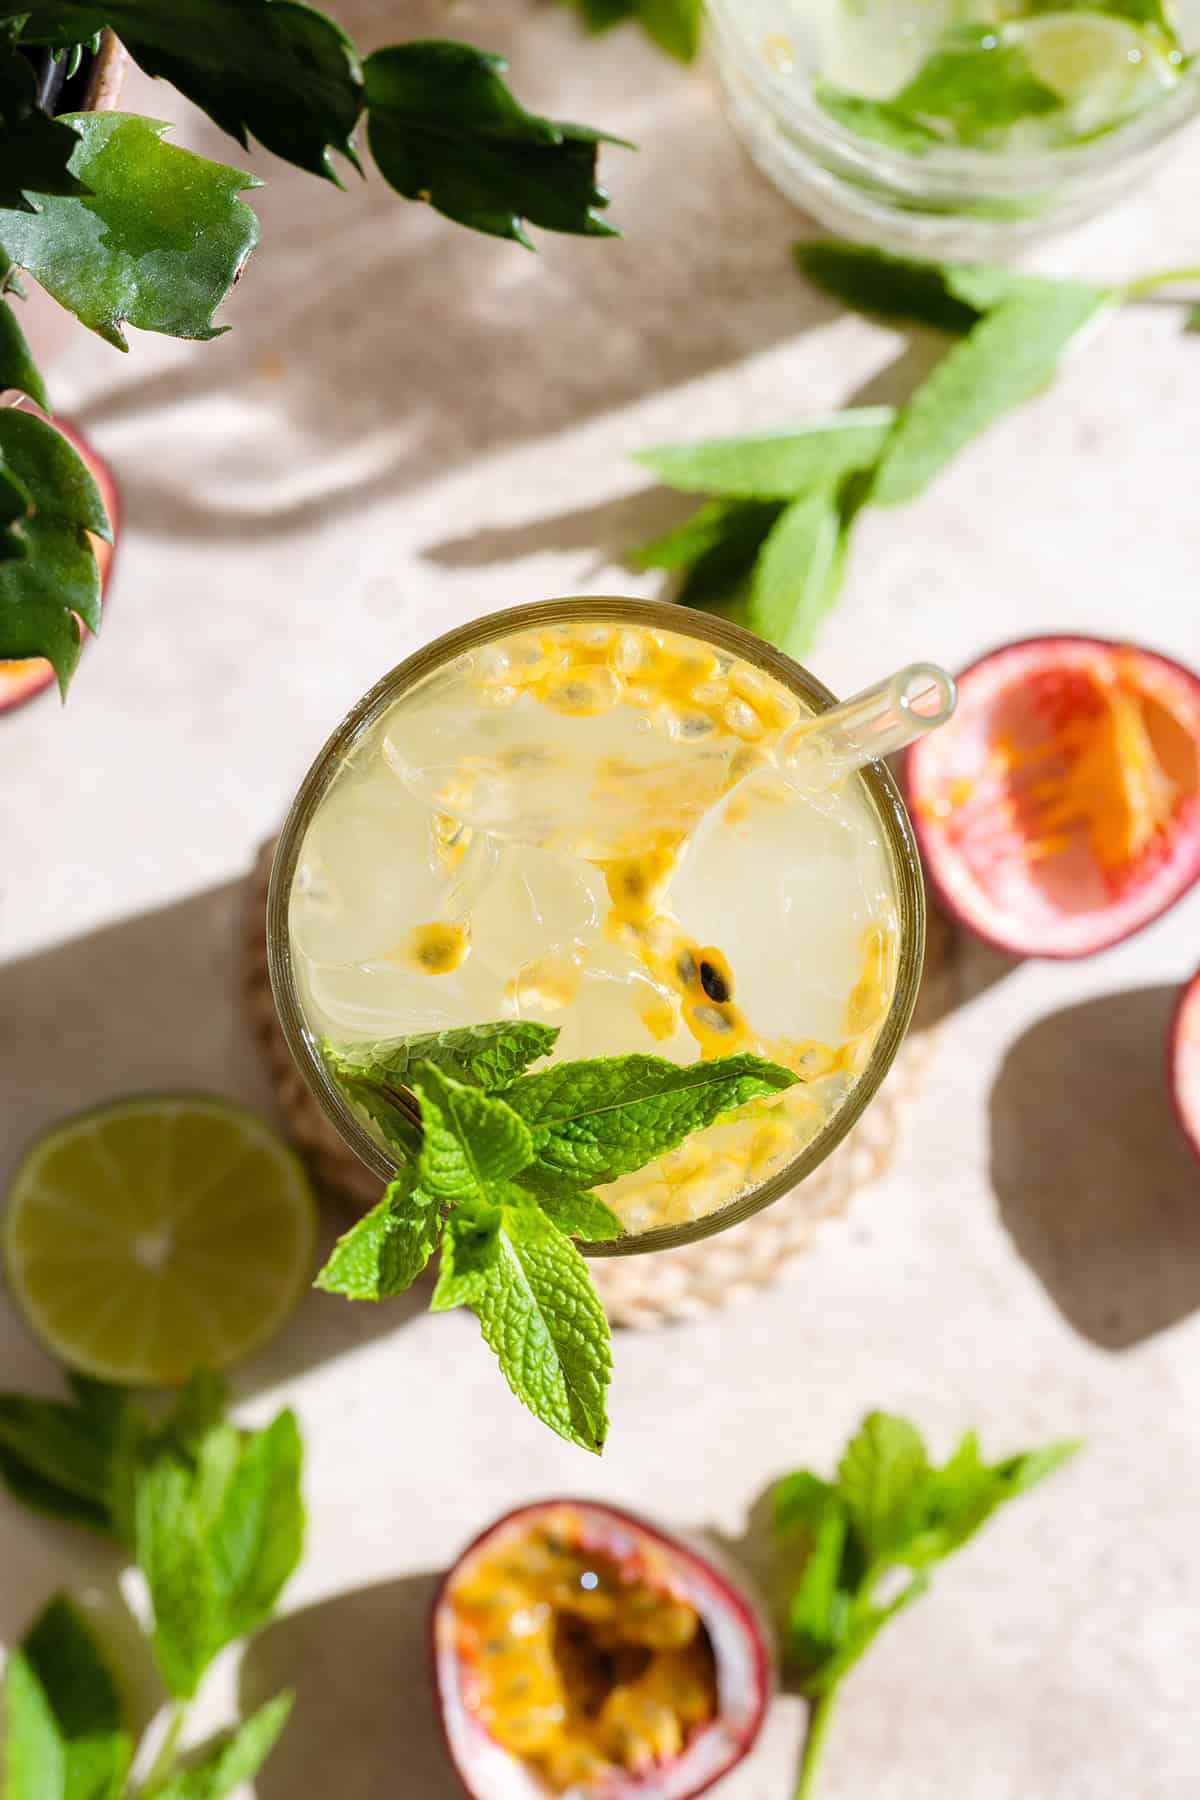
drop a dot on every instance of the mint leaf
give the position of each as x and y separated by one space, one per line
56 1459
778 466
538 1312
45 593
862 1627
674 25
17 367
801 1500
889 287
385 1251
799 572
233 1758
882 121
35 151
980 82
817 1614
1003 361
489 1056
882 1480
218 1528
391 1110
722 538
599 1119
67 1738
581 1215
284 73
444 128
471 1139
158 242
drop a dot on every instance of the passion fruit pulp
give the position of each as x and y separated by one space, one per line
1183 1062
579 1651
22 678
1058 812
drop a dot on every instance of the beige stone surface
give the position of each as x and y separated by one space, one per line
408 426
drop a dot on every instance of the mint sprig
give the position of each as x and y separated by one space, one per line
214 1519
500 1169
771 555
870 1538
674 25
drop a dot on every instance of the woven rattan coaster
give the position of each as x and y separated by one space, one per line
666 1285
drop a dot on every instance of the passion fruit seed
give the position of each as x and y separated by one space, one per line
714 984
435 949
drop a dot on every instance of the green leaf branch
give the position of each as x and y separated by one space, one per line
214 1519
869 1539
497 1165
122 227
769 545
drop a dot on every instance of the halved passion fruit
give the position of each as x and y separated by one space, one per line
578 1650
21 679
1183 1062
1059 810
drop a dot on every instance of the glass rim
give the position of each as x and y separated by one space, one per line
970 166
709 628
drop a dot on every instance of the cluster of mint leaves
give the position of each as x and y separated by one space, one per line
498 1168
980 81
674 25
869 1539
121 227
214 1519
768 548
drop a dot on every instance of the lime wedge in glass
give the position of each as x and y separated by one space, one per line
1104 68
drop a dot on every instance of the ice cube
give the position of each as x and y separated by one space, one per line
614 1006
532 900
383 998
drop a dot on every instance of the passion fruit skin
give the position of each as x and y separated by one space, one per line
21 680
1183 1051
1019 944
740 1608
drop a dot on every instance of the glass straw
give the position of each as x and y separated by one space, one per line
871 725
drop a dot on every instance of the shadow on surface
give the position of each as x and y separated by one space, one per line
364 1724
154 1004
1094 1180
396 345
611 529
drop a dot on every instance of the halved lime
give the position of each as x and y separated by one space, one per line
156 1234
1103 67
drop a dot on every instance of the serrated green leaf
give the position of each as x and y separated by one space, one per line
979 82
798 573
471 1139
384 1252
444 128
778 466
582 1215
36 152
387 1106
470 1251
1028 1467
45 593
157 243
800 1501
1010 355
542 1318
60 1445
816 1614
882 1479
17 367
881 121
172 1555
233 1758
886 286
45 1497
67 1738
486 1056
599 1119
283 73
861 1630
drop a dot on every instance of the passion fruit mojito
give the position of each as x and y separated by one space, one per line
585 816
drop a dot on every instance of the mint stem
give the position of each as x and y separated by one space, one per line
814 1741
1146 284
164 1763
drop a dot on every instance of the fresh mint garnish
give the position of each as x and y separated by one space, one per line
594 1121
537 1309
977 83
215 1520
870 1538
500 1168
881 121
773 561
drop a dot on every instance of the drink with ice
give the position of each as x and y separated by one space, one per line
590 814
